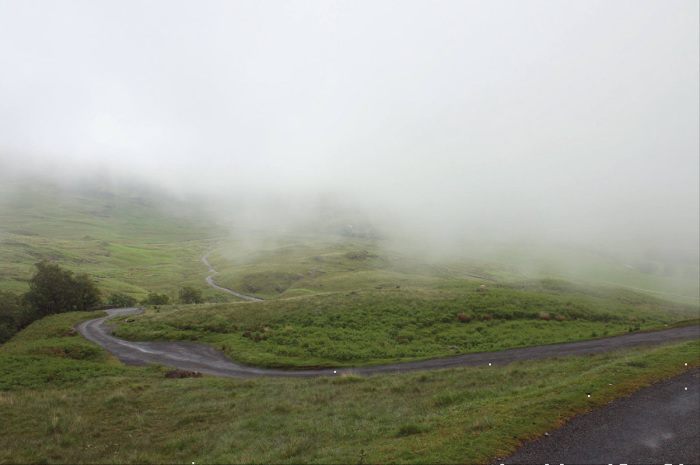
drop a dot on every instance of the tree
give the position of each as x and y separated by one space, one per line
86 292
10 315
191 295
51 290
54 290
121 300
156 299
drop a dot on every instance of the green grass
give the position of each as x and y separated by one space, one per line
45 353
132 242
386 325
275 266
127 415
333 301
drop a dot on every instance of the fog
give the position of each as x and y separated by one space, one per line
441 120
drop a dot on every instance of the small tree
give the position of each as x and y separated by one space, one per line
51 290
156 299
121 300
190 295
10 315
54 290
87 294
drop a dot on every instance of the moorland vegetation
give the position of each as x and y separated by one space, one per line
65 400
334 297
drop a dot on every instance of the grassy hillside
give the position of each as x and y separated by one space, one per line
270 265
64 400
387 325
333 299
344 301
129 240
670 271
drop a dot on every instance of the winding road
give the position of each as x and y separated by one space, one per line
210 281
657 425
206 359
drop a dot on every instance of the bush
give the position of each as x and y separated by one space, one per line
357 255
156 299
54 290
410 429
191 295
121 300
464 318
10 315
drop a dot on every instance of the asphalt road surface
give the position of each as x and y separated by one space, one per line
200 357
659 424
210 281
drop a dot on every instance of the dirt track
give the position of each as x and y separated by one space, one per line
200 357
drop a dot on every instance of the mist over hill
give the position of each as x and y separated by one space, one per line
443 129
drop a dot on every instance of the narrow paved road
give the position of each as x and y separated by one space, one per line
210 281
659 424
200 357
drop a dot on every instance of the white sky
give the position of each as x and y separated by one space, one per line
562 112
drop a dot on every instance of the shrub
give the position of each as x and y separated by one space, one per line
121 300
410 429
545 316
191 295
358 255
55 290
464 318
156 299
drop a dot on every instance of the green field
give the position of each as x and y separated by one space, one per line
134 242
332 299
65 400
344 301
380 326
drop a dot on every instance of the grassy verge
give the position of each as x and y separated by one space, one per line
135 415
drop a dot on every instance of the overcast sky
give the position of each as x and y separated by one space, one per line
518 113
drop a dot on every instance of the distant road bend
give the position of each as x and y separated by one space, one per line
206 359
210 281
